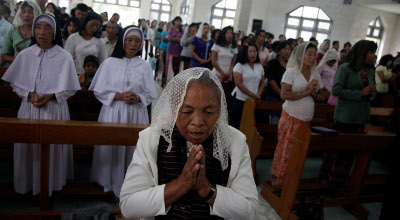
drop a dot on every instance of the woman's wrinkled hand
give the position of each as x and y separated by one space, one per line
127 97
187 179
202 185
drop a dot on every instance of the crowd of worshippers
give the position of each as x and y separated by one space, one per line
192 161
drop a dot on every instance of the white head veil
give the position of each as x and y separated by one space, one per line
167 108
321 47
329 55
36 12
296 59
199 33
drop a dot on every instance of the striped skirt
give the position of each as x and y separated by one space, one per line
287 129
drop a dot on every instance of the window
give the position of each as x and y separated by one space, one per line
375 31
128 10
223 13
160 10
185 11
307 22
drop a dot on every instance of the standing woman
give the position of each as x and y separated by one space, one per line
44 84
187 38
301 84
164 47
87 41
383 76
19 37
175 34
150 34
249 81
224 54
323 48
354 85
124 84
71 26
275 70
262 50
157 37
201 47
327 68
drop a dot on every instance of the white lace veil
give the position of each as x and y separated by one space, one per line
321 47
36 11
199 33
166 111
296 59
329 55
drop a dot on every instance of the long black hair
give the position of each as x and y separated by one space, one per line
243 56
91 16
358 53
56 41
76 22
221 37
57 14
119 51
214 32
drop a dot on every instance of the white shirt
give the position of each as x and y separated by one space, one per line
224 59
109 46
5 26
80 48
303 108
150 34
250 79
142 196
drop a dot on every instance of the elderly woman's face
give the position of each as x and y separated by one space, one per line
44 34
132 45
199 113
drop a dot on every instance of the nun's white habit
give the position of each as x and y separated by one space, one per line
43 72
117 75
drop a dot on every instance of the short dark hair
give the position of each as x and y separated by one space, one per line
74 20
281 35
91 58
7 10
282 45
347 44
343 50
119 51
385 59
115 14
243 56
244 39
114 23
193 25
270 35
221 38
312 39
274 45
88 17
310 45
82 7
335 42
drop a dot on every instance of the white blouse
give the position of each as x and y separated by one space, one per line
250 79
142 197
303 108
224 59
80 48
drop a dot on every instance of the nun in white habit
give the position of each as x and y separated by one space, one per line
44 76
124 84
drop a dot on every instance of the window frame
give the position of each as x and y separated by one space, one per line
160 11
315 30
223 16
185 7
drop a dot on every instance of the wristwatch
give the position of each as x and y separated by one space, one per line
211 193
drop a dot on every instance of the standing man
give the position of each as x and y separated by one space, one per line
5 26
110 40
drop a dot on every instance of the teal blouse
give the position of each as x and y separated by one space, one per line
351 108
13 43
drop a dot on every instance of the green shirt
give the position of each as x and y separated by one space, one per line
351 108
13 43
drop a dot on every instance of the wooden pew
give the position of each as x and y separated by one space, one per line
265 136
47 132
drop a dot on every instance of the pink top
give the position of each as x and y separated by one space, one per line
173 47
264 56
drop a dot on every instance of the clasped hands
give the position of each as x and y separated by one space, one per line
193 175
127 97
40 101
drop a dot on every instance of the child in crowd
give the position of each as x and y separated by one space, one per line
90 65
153 63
